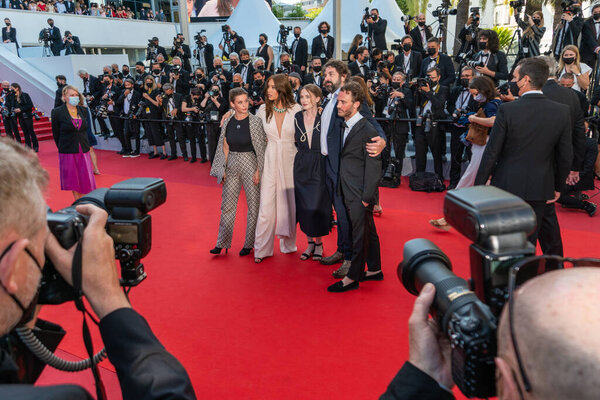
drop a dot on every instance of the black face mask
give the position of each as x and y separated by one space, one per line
261 42
245 62
148 85
406 47
431 51
140 71
199 76
538 21
317 68
464 82
260 68
482 45
596 17
234 63
28 311
421 23
396 85
237 84
296 35
125 72
366 58
51 24
8 24
258 82
156 71
568 60
285 64
324 31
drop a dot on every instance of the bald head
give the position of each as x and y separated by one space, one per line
556 325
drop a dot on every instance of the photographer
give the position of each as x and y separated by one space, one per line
430 100
153 110
420 34
204 53
160 77
236 44
170 102
194 132
21 105
468 34
9 33
179 81
569 28
245 69
71 44
154 49
315 75
92 91
568 80
8 118
490 60
435 59
110 93
129 102
126 72
379 88
213 102
296 83
54 38
408 61
376 58
182 50
145 369
286 67
61 82
257 90
219 76
533 31
589 37
377 27
299 50
140 75
360 67
323 44
199 80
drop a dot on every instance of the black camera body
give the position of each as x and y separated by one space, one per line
406 18
498 223
443 11
569 6
458 114
129 225
517 4
475 64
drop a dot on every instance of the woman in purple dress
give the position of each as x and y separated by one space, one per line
69 128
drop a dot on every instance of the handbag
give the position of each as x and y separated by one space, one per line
478 134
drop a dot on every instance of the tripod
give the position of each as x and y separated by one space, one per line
441 32
46 51
520 53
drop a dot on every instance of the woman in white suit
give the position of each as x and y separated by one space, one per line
277 213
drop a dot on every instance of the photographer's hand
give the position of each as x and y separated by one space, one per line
507 97
100 281
425 88
429 350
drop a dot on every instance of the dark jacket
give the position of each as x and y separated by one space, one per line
178 99
74 48
66 136
185 57
56 43
300 55
24 104
571 36
415 34
444 63
355 69
12 35
496 62
159 50
318 48
588 42
377 32
411 383
467 45
437 99
456 91
414 68
136 97
531 43
58 101
529 152
209 55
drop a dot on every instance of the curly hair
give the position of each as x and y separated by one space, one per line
492 37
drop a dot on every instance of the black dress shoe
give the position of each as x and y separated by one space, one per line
203 161
217 250
245 251
172 158
193 160
186 159
375 277
339 287
153 155
163 156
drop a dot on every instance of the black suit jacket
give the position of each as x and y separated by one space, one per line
377 32
497 63
411 383
355 69
567 96
588 42
144 368
359 173
66 136
58 97
300 56
414 68
417 39
209 55
446 68
178 99
74 48
571 36
438 101
12 35
456 91
529 152
185 57
318 48
24 104
56 41
136 97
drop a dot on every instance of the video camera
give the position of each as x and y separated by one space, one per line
198 37
475 15
129 225
517 4
406 18
467 313
397 45
569 6
44 36
443 11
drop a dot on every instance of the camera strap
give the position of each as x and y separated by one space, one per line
77 275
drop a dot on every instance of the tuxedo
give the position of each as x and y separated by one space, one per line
529 152
299 51
590 40
359 178
566 33
73 48
444 63
467 46
356 69
185 57
377 33
495 62
419 44
246 71
159 50
209 56
55 41
412 66
322 49
12 35
412 383
316 79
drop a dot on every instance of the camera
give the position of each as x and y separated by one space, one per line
443 11
225 28
44 35
570 6
498 224
475 15
458 114
129 225
517 3
406 18
397 46
213 93
475 64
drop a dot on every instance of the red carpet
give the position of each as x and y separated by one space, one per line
270 331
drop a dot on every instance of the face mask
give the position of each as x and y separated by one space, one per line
432 83
366 59
482 45
260 67
431 51
234 63
596 17
261 42
156 71
148 85
259 82
199 76
317 68
74 100
464 83
406 47
568 60
28 311
538 21
285 64
323 31
245 62
396 85
421 23
8 24
296 35
51 24
480 98
125 72
237 84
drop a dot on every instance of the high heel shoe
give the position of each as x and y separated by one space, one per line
245 251
318 257
306 255
217 250
377 213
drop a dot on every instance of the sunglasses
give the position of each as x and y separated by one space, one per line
525 270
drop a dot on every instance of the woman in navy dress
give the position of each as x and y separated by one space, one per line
313 207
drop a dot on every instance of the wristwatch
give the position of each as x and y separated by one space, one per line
579 74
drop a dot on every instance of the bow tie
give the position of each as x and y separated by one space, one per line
345 125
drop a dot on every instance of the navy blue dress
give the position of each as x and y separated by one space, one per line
313 206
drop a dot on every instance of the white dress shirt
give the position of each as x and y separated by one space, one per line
350 124
326 116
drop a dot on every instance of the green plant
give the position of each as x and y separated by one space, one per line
504 36
277 11
312 14
297 12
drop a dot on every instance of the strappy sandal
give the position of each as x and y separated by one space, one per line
306 256
318 257
257 260
440 224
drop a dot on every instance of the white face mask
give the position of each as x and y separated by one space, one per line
74 100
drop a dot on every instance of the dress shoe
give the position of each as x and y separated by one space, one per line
186 159
245 251
193 160
134 154
173 157
375 277
589 208
203 161
343 270
217 250
335 258
339 287
153 155
163 156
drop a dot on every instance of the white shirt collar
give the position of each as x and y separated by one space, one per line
532 92
353 120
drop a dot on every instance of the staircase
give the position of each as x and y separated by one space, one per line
42 128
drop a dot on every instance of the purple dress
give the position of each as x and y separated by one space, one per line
76 172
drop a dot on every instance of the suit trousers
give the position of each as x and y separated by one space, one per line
12 130
131 129
153 132
195 133
344 230
118 126
103 127
174 135
431 140
457 150
239 172
397 133
547 230
212 132
28 132
365 241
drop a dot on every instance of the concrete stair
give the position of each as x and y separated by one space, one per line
42 128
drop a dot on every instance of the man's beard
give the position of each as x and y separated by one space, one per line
331 87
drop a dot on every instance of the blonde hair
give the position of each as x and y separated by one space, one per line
561 63
71 87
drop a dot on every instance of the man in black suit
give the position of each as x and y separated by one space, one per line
108 94
10 123
145 368
92 88
490 55
205 55
299 50
56 43
71 44
127 103
9 34
285 65
323 44
420 34
182 50
358 181
316 73
530 151
377 27
438 60
237 43
61 82
154 49
17 5
460 100
408 61
360 66
567 32
70 7
245 68
590 37
171 105
430 100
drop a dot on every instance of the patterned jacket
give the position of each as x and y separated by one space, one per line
259 142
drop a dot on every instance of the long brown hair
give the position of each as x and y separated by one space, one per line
284 92
529 31
364 87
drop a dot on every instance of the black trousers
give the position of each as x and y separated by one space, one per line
397 133
131 129
174 135
103 127
118 126
153 132
344 229
431 140
26 123
365 241
547 230
457 150
212 132
12 129
195 133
